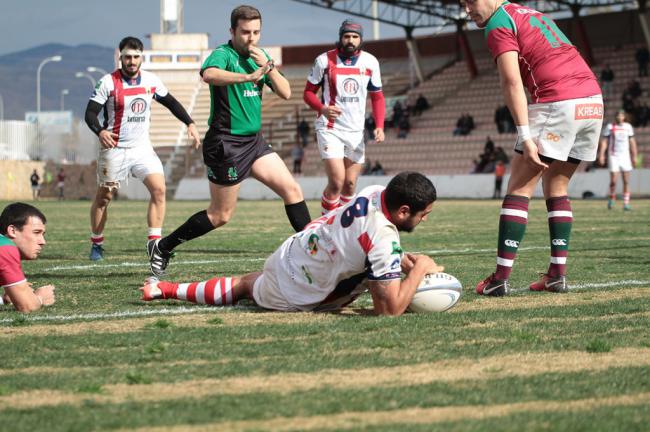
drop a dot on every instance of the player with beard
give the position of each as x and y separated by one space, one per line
233 148
324 267
346 75
126 96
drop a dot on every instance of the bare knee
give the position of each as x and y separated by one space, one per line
158 194
219 217
103 197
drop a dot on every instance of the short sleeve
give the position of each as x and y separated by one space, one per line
161 89
317 70
217 59
11 273
385 256
102 90
630 130
375 79
501 34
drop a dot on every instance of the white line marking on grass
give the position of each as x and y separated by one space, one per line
182 310
146 264
595 285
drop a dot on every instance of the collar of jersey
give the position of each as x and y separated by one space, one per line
353 58
131 81
237 52
384 209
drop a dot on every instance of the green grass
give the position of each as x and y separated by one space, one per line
99 346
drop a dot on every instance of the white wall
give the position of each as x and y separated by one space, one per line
459 186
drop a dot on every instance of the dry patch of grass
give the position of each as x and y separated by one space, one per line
400 376
358 420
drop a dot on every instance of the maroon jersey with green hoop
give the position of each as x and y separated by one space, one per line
551 67
11 272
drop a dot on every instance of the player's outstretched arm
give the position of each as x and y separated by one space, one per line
177 109
26 300
392 297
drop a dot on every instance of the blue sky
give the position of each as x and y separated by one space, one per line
72 22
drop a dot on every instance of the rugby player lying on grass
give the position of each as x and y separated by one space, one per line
324 266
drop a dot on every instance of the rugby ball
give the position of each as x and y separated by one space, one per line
438 292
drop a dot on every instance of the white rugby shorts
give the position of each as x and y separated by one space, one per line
619 163
566 129
336 144
114 165
266 289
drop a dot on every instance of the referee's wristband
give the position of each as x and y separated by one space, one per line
524 132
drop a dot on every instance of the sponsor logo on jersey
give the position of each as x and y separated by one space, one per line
232 173
511 243
312 244
138 106
395 264
558 242
350 86
397 250
589 111
350 99
552 137
251 93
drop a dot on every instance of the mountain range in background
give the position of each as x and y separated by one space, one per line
18 78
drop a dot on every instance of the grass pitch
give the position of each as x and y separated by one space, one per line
100 359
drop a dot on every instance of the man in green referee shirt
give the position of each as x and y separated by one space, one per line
233 148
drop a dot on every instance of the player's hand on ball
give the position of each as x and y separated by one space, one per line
427 263
379 135
46 293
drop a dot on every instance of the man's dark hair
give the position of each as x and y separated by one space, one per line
132 43
17 214
412 189
244 12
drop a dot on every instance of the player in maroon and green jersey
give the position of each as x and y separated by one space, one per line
566 116
22 236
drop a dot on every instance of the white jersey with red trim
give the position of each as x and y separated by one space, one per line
333 254
345 82
127 104
618 139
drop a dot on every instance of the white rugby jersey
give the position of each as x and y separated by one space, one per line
127 105
618 139
345 83
334 253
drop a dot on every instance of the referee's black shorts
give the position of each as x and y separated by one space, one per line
229 158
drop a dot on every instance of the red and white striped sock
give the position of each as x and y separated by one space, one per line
97 239
343 200
328 205
216 291
626 198
154 233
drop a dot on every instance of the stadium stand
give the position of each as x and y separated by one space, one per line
429 147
